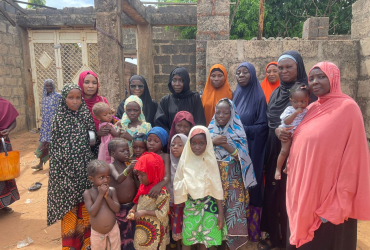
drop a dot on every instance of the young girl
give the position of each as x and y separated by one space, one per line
133 120
291 118
151 215
102 204
231 150
198 183
138 145
156 140
177 211
103 113
182 123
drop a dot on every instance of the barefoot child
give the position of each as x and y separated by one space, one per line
103 113
177 211
102 204
291 118
157 139
138 145
123 181
151 214
198 183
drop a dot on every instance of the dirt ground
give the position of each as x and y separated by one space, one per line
29 217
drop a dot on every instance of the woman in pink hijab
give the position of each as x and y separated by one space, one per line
328 186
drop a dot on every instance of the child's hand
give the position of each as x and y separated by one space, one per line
131 166
277 174
219 139
154 192
125 135
139 214
103 189
220 221
299 110
285 170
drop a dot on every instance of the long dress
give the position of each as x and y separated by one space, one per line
251 105
70 153
175 102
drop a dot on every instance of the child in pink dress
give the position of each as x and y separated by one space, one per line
103 113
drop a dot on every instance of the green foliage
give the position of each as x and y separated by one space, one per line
40 2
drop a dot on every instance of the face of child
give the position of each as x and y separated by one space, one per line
133 111
153 143
198 144
177 146
299 99
143 178
101 177
138 148
74 99
223 113
183 127
49 87
122 152
105 114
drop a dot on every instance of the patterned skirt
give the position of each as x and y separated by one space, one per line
76 229
200 223
177 214
236 201
42 151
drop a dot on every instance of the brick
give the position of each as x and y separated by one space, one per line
169 49
156 49
3 27
167 69
11 81
187 49
12 30
16 72
180 59
9 61
6 39
161 79
4 70
3 49
6 91
14 51
161 59
156 69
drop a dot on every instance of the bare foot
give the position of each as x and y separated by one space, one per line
277 175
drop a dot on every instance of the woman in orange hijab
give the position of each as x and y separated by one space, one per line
271 81
217 88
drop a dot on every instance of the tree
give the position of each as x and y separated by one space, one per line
39 2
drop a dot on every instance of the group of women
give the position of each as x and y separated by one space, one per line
328 182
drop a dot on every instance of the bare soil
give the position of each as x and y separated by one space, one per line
29 219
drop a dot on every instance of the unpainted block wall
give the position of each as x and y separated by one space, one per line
360 27
363 93
169 54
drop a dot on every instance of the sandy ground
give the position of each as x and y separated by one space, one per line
29 219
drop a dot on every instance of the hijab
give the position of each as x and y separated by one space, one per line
7 114
269 87
211 95
197 176
125 120
149 105
95 98
279 98
236 138
174 163
182 115
48 108
342 181
184 74
153 165
161 133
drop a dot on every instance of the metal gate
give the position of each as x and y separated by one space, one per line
60 55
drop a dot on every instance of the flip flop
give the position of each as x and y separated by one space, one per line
263 245
37 168
35 186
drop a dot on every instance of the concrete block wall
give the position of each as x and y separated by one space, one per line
130 70
167 55
363 93
12 86
360 25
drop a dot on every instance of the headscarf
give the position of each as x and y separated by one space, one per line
182 115
48 108
269 87
149 105
174 163
197 176
186 92
342 181
95 98
236 138
279 98
125 120
211 95
70 152
161 133
153 165
7 114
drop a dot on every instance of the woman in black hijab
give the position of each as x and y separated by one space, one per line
274 215
181 99
139 87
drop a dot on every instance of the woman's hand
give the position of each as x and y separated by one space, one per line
103 131
219 140
125 135
283 134
5 132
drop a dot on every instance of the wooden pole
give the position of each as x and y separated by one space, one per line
260 21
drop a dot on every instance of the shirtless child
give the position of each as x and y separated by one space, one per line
123 182
102 204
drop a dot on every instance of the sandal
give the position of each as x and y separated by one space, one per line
7 210
263 245
35 186
37 167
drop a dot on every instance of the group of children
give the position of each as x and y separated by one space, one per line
141 193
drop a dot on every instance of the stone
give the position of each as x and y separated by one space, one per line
180 59
169 49
162 59
6 39
3 27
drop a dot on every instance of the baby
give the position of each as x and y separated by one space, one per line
102 204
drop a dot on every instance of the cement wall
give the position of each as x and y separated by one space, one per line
363 93
169 54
